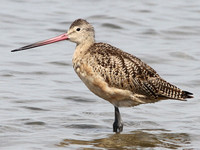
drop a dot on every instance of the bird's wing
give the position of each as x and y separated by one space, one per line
125 71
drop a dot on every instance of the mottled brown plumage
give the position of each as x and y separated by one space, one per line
125 71
119 70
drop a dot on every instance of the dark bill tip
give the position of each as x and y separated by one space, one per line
41 43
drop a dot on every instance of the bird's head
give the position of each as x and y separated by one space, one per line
80 31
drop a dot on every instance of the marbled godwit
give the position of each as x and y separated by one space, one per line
114 75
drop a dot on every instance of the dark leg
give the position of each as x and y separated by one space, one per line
117 125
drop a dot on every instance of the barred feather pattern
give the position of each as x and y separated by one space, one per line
125 71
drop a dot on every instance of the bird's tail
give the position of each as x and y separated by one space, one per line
186 94
170 91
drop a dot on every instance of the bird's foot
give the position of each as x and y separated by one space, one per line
117 127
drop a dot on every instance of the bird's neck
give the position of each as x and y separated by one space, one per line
81 49
86 43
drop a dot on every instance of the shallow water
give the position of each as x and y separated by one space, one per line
44 105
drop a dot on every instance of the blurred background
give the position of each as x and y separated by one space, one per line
43 103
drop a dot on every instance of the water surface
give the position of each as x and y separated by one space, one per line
44 105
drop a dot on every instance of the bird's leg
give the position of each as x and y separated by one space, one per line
117 125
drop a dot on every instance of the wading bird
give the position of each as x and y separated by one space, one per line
112 74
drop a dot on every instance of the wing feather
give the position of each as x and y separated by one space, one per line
125 71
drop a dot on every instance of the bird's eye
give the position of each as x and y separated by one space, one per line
78 29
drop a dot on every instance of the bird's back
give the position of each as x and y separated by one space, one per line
124 71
